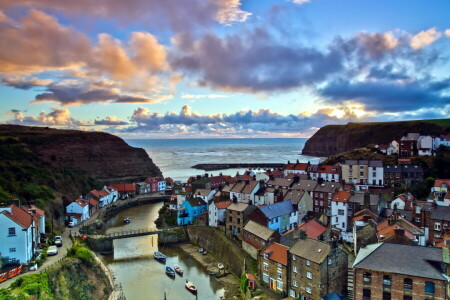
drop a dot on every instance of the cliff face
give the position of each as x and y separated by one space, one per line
334 139
98 155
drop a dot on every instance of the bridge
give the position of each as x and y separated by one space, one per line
132 233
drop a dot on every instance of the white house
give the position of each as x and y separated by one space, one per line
401 200
425 145
17 232
217 212
394 145
205 194
441 141
249 191
339 210
375 173
329 173
77 211
236 192
104 196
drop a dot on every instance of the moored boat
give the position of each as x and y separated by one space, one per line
178 270
159 256
127 220
191 287
170 272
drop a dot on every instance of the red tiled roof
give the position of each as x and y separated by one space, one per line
301 166
93 202
439 182
313 229
223 204
20 216
341 197
154 179
290 167
124 187
329 169
76 216
250 276
278 253
81 202
168 179
38 211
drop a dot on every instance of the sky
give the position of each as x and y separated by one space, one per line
222 68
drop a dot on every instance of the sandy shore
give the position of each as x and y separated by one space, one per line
209 262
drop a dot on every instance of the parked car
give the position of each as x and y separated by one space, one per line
52 250
71 224
58 241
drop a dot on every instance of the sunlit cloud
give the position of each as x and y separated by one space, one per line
424 38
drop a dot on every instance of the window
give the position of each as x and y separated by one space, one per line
367 278
308 263
309 275
308 290
387 281
329 260
279 266
292 293
417 219
429 287
295 283
407 284
12 249
444 225
437 226
279 285
294 269
386 296
316 202
239 221
340 212
265 277
12 231
366 294
406 297
293 257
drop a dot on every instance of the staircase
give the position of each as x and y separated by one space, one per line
350 283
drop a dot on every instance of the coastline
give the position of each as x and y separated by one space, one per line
209 262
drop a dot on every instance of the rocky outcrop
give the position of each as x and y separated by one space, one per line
98 155
333 139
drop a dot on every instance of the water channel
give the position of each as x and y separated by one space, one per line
140 275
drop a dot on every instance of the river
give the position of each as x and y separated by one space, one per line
140 275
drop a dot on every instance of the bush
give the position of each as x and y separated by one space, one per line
83 254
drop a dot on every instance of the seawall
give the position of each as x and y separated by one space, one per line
213 167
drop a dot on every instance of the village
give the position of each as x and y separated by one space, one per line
315 231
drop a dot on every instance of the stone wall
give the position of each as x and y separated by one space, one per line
226 250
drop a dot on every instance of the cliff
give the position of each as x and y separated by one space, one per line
99 155
334 139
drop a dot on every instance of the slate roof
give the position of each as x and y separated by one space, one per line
196 201
376 163
228 187
306 185
202 192
358 197
249 187
440 213
284 182
403 259
278 253
313 250
294 196
259 230
412 169
277 209
327 187
238 187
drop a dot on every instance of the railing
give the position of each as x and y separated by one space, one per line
133 232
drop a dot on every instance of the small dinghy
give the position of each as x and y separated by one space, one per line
127 220
204 252
178 270
170 272
159 256
200 250
191 287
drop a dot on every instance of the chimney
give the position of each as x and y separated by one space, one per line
296 233
367 200
206 175
296 179
303 234
366 219
334 244
247 181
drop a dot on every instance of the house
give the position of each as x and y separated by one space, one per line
412 175
105 196
301 200
280 216
191 209
360 200
441 141
441 187
363 172
376 173
236 192
218 181
364 229
249 191
408 145
403 201
93 205
305 185
143 188
157 184
255 237
311 229
77 211
425 145
205 194
395 146
322 196
339 210
312 172
398 271
438 224
217 211
173 203
274 267
18 235
396 229
39 217
279 183
383 148
316 268
329 173
264 196
124 189
169 182
237 215
393 175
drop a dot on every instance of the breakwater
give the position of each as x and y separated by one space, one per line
214 167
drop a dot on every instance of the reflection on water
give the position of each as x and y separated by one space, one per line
141 276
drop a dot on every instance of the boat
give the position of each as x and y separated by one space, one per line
204 252
191 287
127 220
212 273
200 250
220 266
159 256
178 270
170 272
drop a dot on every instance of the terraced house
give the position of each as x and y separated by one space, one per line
274 267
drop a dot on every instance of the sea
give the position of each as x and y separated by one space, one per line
175 157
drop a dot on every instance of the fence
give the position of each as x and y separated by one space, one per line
11 273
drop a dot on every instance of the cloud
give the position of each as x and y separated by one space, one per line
110 121
24 83
300 2
160 14
376 44
424 38
58 117
251 62
388 96
447 32
38 42
209 96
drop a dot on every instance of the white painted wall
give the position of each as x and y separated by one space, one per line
337 220
21 241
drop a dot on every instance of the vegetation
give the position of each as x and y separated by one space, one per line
166 217
34 286
361 153
243 284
